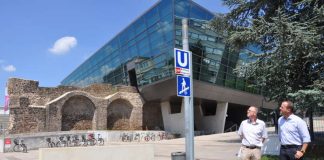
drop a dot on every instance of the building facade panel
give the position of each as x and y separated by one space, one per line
142 55
148 44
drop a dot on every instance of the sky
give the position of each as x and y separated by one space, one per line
45 40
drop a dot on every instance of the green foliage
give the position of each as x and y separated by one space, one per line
291 37
307 98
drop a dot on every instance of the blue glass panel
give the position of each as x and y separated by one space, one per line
133 51
127 35
182 8
152 16
143 47
139 25
156 39
165 7
153 28
141 36
197 12
210 16
167 27
131 42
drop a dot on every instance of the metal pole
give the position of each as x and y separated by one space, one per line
188 100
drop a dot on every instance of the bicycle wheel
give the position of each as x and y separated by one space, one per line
58 144
101 142
68 143
24 148
16 148
52 144
76 143
85 143
92 142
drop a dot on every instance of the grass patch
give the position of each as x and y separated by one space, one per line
269 157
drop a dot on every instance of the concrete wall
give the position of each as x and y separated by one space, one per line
173 123
204 90
221 116
124 152
213 123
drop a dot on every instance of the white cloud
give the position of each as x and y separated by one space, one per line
63 45
9 68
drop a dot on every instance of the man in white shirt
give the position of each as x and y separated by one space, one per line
293 133
253 133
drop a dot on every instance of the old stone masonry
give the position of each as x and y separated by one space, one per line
97 107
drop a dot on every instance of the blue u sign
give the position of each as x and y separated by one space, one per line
182 58
182 61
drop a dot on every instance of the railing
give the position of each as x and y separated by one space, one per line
232 128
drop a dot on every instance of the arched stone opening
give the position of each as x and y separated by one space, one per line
77 113
118 115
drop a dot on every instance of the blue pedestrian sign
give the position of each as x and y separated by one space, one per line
183 86
181 61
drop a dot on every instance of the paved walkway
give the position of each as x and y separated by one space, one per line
210 147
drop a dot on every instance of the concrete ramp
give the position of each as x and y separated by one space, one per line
123 152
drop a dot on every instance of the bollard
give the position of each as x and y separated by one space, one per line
178 156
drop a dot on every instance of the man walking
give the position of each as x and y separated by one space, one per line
293 133
253 133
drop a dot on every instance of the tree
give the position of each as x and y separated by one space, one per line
290 35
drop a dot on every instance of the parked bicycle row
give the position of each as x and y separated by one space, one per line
14 143
75 140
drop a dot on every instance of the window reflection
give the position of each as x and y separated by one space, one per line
148 43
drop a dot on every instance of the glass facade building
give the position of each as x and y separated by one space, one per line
142 53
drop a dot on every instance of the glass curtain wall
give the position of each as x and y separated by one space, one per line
148 43
212 62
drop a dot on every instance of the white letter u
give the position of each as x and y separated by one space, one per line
185 59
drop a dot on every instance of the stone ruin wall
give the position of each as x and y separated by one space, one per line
39 96
35 109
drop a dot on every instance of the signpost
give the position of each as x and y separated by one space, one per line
183 68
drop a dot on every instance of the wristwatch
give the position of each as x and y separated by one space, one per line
302 151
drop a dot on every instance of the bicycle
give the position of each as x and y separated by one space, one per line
91 140
61 142
75 141
84 141
101 141
126 137
50 143
68 141
19 146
